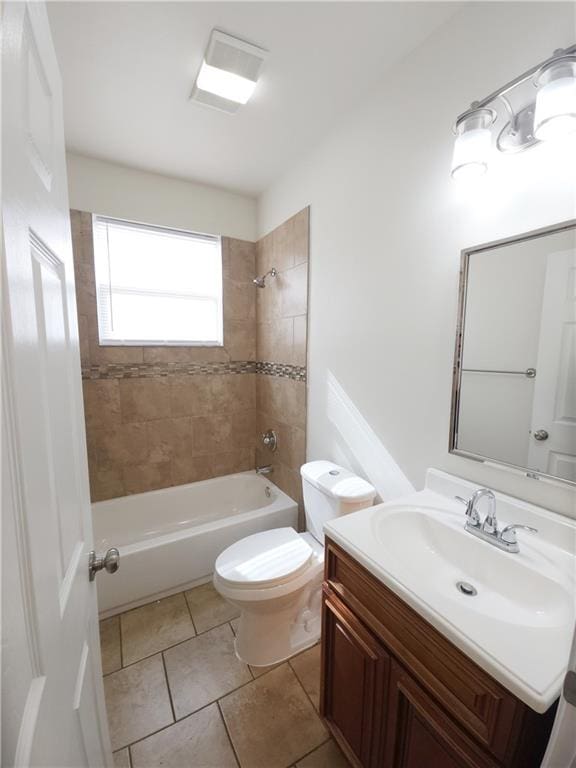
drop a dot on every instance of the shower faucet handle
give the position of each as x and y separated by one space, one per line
270 440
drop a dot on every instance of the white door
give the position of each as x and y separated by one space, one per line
53 711
553 434
561 752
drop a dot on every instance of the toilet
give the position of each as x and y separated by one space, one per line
275 577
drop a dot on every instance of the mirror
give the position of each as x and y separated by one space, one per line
514 387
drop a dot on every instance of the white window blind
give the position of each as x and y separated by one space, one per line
156 285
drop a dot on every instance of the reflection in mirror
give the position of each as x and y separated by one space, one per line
514 395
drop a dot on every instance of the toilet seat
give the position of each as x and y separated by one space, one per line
264 559
267 565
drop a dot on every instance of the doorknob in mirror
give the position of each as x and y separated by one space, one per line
541 434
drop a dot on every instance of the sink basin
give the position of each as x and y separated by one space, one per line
515 614
434 554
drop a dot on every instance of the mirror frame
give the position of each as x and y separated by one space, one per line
466 253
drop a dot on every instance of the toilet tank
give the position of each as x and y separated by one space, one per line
331 491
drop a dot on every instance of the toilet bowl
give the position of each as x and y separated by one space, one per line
275 577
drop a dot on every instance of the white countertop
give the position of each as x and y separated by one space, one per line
524 645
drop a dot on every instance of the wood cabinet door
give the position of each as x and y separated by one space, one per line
419 734
355 669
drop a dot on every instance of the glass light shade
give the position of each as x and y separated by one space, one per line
555 114
225 84
472 146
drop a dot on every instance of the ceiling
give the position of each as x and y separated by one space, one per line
128 70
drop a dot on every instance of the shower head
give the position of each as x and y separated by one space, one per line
260 282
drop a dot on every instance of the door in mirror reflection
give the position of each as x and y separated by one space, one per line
514 398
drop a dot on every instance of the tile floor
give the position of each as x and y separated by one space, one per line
178 697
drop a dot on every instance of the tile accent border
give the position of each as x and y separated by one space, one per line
282 370
157 370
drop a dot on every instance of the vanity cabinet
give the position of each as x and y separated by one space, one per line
397 694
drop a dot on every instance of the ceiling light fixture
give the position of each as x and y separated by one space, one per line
229 72
548 114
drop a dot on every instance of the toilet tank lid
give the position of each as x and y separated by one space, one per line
337 481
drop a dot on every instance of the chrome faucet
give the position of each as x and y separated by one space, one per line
488 530
265 470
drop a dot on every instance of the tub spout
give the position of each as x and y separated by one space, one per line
265 470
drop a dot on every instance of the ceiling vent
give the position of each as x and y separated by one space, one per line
229 72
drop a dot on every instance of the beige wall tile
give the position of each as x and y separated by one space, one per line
230 462
238 260
275 340
294 290
105 482
265 254
120 445
190 395
240 339
169 438
191 469
184 354
137 701
144 399
300 232
268 299
212 434
101 402
113 354
239 300
84 340
282 250
300 340
160 450
140 478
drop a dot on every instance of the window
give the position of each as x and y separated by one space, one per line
156 285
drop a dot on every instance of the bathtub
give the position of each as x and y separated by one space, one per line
169 539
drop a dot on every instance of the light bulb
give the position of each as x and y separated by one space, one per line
555 113
473 145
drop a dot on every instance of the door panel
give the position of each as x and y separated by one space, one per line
355 672
52 688
419 733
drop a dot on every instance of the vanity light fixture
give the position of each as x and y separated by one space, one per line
229 72
538 105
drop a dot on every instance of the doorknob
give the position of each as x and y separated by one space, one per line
110 561
541 434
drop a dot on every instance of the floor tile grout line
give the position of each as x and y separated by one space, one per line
168 648
190 612
120 639
316 710
217 701
168 687
303 757
228 733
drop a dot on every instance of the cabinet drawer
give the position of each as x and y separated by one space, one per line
481 705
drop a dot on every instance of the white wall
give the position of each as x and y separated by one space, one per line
387 228
115 190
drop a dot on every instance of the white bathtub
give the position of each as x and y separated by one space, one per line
169 539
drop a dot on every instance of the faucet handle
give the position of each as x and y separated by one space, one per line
508 534
471 513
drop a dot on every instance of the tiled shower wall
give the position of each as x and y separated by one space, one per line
281 333
163 416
